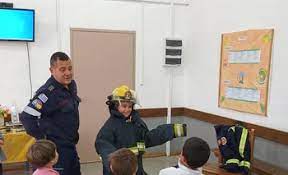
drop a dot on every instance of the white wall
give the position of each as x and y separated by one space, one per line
14 70
195 83
151 27
151 23
208 20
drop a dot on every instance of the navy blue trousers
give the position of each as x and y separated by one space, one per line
68 161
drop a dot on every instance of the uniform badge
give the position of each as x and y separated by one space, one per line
223 141
50 88
37 104
43 97
128 95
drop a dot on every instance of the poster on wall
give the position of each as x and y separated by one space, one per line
244 70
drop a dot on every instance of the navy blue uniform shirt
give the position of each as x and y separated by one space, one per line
53 113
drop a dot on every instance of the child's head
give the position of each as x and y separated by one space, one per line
195 152
123 162
42 153
122 99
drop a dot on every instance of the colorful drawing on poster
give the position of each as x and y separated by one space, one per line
240 77
262 75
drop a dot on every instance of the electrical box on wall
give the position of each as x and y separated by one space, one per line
6 5
173 51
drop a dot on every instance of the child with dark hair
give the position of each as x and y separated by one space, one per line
194 155
43 155
123 162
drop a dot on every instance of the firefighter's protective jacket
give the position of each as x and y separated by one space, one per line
234 145
118 132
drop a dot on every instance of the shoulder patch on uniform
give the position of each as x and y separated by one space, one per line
51 87
43 97
37 104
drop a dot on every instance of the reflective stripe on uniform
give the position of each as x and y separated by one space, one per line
236 161
134 150
141 146
178 129
245 164
32 111
233 128
243 141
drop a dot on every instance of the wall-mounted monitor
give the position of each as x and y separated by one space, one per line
17 24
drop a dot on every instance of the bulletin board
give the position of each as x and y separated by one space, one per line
244 70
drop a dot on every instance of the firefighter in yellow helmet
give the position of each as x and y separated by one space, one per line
125 129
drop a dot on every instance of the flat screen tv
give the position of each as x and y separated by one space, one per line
17 24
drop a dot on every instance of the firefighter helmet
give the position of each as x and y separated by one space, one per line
123 93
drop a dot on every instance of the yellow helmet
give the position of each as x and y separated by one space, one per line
123 93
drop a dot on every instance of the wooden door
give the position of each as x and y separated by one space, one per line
102 60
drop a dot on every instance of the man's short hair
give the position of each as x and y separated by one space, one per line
196 152
58 56
41 153
123 162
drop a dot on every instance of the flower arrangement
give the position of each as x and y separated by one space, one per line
5 112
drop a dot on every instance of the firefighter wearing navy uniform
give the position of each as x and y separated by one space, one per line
234 145
125 129
53 114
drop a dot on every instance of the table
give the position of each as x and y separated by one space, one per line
16 145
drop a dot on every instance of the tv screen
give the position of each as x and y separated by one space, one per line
17 24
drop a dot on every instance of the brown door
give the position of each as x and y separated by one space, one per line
102 60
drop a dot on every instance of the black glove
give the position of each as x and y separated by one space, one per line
180 130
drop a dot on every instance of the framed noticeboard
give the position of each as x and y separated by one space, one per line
244 70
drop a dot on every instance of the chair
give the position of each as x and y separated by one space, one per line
214 168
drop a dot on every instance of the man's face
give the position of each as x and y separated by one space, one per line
62 72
